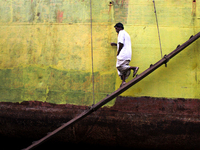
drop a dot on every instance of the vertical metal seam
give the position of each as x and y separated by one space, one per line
92 51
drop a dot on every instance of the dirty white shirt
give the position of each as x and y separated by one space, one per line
126 52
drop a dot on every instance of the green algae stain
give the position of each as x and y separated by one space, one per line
47 84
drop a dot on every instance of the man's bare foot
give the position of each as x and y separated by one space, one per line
123 83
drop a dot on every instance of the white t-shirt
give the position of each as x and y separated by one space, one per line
126 52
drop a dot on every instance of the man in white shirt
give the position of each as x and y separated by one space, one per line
124 53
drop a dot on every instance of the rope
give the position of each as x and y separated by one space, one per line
157 28
92 51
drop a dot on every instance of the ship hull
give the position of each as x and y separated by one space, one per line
142 122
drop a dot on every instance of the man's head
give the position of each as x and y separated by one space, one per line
119 26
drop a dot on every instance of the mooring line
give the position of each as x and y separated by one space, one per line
158 28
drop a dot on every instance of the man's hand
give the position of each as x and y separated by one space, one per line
113 44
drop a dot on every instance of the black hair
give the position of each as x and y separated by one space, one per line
119 25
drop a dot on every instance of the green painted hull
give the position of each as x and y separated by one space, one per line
47 84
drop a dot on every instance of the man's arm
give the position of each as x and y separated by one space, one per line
113 44
120 48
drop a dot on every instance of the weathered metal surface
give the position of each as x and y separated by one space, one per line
164 60
132 122
40 62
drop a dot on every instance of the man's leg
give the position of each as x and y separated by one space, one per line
123 77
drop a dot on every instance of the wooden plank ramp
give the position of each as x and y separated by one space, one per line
98 105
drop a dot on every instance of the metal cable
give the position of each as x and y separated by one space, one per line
158 28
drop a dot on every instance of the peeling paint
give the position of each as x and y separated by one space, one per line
59 16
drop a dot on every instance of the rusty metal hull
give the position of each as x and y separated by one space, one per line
143 122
